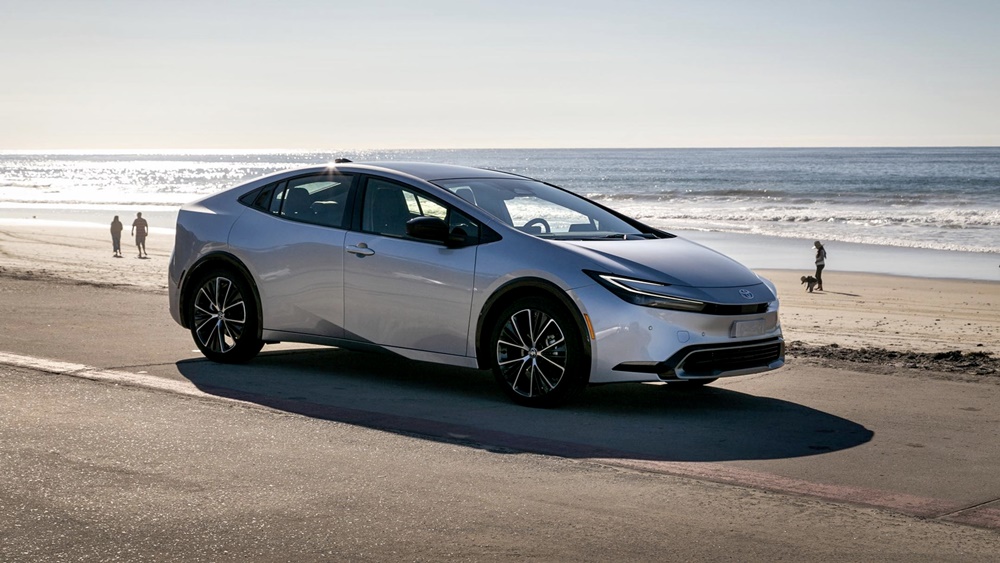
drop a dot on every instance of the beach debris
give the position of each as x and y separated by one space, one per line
952 361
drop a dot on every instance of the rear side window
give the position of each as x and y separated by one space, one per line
320 199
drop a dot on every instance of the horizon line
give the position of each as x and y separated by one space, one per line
98 151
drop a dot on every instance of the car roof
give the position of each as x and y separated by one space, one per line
429 171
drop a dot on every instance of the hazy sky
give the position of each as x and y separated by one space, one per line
327 74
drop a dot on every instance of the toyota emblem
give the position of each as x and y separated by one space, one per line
746 293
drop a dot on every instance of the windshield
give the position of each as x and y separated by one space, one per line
540 209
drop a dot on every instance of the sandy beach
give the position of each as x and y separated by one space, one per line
40 249
871 319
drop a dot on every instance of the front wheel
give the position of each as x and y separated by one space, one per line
537 354
223 317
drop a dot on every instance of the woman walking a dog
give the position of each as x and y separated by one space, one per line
820 263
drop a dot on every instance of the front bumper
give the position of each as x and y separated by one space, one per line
635 343
711 361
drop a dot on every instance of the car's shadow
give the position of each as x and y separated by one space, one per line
650 422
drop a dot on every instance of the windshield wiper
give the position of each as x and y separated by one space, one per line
597 236
630 236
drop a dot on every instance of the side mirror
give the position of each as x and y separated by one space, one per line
436 230
427 228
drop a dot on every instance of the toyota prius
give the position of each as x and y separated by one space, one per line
467 267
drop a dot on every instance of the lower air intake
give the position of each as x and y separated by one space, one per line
720 361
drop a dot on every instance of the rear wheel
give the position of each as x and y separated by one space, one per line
537 353
223 317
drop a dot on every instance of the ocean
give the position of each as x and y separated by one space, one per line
911 203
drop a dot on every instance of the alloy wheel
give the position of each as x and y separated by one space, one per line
220 314
532 353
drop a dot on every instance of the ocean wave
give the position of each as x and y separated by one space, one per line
759 197
686 195
26 185
90 204
854 237
952 218
967 230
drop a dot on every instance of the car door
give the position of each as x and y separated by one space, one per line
293 239
400 291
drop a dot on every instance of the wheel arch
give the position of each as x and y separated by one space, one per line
518 289
206 263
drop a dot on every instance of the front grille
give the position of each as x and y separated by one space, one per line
729 310
716 361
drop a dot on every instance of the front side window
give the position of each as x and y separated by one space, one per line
388 206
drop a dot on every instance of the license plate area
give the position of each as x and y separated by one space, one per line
742 329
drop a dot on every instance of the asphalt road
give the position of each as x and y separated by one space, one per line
322 454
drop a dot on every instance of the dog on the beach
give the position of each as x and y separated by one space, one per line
810 283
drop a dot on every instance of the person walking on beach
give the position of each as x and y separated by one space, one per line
116 236
140 228
820 264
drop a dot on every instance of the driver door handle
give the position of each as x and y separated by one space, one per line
361 249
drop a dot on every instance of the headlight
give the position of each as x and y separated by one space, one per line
646 293
769 284
773 305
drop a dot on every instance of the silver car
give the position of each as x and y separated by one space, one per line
466 267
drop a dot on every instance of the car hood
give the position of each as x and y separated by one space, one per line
674 261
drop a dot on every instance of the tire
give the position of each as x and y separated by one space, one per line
537 354
222 314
